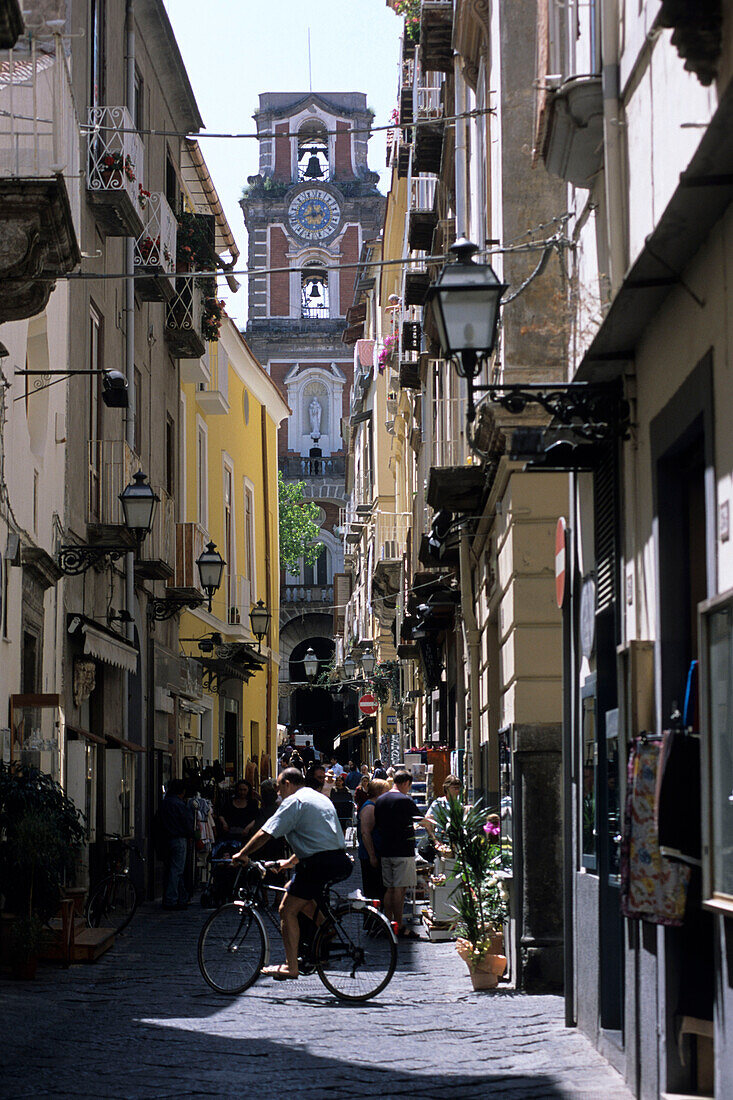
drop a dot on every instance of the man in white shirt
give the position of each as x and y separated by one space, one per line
310 824
336 767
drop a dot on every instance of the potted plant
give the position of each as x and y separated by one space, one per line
41 832
481 907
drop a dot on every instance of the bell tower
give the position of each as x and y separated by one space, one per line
308 212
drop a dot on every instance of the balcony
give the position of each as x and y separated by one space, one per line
421 217
183 321
39 238
299 468
407 80
429 113
112 465
312 595
155 250
213 394
436 36
416 283
363 496
573 142
410 373
191 540
156 554
115 171
390 542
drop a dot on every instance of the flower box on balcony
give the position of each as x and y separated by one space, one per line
114 171
573 146
155 250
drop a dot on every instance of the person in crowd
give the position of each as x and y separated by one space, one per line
360 797
296 761
315 777
343 801
329 783
395 815
364 769
310 824
309 756
426 847
371 871
390 772
353 776
177 825
287 753
274 849
379 770
335 767
239 813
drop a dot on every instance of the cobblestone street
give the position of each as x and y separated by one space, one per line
142 1023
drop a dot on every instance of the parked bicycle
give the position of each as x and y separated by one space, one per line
113 901
353 951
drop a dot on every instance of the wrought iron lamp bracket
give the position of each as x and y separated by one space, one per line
160 609
75 560
594 411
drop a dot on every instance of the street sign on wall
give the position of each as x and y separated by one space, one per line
368 704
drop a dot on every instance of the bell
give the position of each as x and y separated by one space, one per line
313 170
315 291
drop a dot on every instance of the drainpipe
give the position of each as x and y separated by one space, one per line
472 641
461 174
614 173
129 565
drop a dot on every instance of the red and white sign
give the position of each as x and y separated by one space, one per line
368 704
560 561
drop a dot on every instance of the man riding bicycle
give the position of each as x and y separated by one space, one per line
310 824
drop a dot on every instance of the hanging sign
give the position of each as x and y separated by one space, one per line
368 704
560 561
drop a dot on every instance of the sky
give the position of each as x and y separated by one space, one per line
235 49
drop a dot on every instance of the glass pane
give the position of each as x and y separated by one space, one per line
721 738
614 809
588 827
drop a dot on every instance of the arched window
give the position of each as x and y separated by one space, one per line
313 152
319 573
314 290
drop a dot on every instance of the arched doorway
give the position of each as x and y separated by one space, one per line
316 712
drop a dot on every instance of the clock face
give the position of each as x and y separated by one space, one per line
313 214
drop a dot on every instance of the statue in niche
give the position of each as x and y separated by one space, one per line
314 413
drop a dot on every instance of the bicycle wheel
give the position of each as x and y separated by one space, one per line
356 953
232 947
113 903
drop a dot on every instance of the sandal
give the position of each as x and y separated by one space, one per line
279 973
407 934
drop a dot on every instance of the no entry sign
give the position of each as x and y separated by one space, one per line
368 704
560 561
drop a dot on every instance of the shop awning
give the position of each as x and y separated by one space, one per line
123 744
86 735
102 644
351 732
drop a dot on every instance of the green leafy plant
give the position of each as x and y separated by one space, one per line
472 832
298 527
411 11
41 831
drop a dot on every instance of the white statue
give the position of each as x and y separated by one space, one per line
314 412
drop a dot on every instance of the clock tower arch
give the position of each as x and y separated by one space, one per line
308 212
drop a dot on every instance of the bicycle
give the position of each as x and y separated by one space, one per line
113 901
354 950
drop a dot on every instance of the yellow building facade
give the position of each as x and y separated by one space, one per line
230 413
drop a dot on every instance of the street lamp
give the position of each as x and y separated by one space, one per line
466 298
368 661
138 505
310 663
259 618
210 566
349 667
138 501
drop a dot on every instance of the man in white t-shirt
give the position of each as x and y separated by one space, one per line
336 767
310 824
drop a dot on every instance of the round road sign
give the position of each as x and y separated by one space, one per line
560 561
368 704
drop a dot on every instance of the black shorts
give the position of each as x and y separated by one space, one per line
312 873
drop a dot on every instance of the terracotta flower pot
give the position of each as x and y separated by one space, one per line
483 979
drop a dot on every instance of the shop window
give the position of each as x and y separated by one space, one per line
589 749
716 721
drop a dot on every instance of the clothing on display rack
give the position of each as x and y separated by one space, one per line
652 888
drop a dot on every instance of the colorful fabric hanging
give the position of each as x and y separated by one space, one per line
652 888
